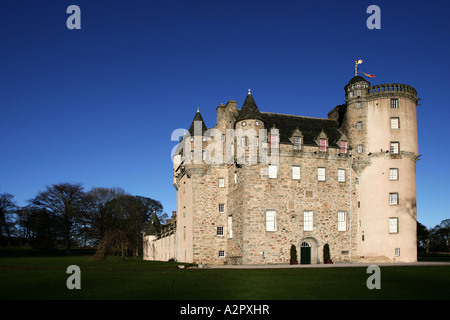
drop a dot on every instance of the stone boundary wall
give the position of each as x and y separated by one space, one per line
162 249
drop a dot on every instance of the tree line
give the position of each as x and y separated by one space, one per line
65 215
436 239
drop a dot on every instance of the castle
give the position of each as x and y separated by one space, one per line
259 182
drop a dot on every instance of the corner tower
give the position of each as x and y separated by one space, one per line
381 124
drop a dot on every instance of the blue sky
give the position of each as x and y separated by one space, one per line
99 105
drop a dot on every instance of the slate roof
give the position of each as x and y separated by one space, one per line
309 127
197 117
356 79
154 226
249 110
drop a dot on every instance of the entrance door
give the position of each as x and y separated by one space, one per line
305 253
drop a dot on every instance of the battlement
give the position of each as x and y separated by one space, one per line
397 88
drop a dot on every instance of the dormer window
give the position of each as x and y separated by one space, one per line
322 145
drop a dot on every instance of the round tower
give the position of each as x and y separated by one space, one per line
247 126
381 125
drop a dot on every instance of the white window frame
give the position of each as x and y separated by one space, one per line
397 252
395 123
395 147
321 174
393 174
360 148
342 220
359 125
343 147
322 145
273 141
221 207
230 227
271 220
393 225
295 172
341 175
273 168
297 143
394 103
221 253
220 231
393 198
308 220
221 182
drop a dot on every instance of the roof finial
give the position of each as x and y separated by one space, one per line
249 91
198 109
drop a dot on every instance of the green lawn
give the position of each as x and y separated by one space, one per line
44 277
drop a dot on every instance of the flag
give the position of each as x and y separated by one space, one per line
368 75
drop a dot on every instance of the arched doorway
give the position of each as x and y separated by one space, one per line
308 251
305 253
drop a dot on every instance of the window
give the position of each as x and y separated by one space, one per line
256 141
322 145
235 177
341 175
359 125
221 207
343 148
395 148
393 225
307 220
394 103
295 172
244 141
393 198
272 171
221 183
221 253
297 143
358 93
271 221
342 221
358 105
360 148
395 123
351 94
220 231
321 174
393 174
274 141
397 252
230 226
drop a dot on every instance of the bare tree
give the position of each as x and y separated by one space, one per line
66 203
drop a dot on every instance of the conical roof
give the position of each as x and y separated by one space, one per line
249 109
197 117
